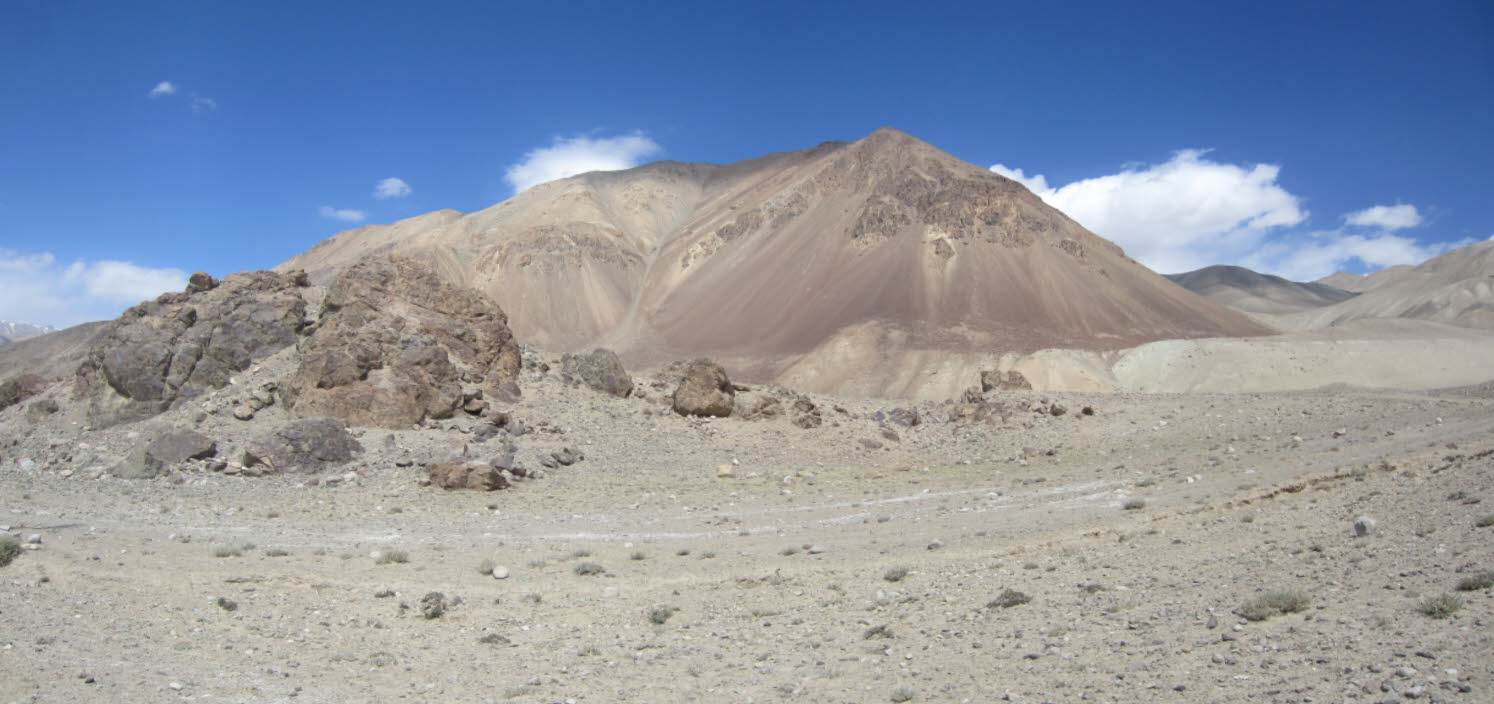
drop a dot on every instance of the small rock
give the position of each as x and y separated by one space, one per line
725 472
432 605
34 539
1363 526
500 572
243 411
816 549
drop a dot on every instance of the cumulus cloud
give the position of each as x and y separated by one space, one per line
578 155
344 214
391 188
163 88
201 105
1190 212
1182 214
42 291
1385 217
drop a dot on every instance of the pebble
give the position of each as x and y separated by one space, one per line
34 539
175 686
500 572
816 549
609 592
1364 525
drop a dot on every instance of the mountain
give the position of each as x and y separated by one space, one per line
15 332
877 267
1455 288
1253 292
1359 283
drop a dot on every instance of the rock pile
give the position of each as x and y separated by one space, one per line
393 344
704 391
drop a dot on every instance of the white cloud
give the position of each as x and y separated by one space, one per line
39 290
1185 213
163 88
201 105
1190 212
1386 217
391 188
344 214
578 155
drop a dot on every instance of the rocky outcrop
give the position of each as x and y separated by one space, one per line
393 345
180 444
601 370
992 380
307 445
704 391
182 344
460 474
19 388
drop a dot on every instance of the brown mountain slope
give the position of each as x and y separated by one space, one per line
855 267
1455 288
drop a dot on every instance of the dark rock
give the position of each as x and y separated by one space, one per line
991 380
432 605
179 445
905 417
200 282
459 474
19 388
307 445
601 370
704 391
394 342
1057 410
40 409
159 352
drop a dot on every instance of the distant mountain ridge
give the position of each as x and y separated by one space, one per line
882 266
15 332
1254 292
1456 288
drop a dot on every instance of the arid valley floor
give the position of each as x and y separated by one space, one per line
839 563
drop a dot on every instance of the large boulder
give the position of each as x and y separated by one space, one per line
308 445
394 343
180 445
459 474
182 344
704 391
993 380
601 370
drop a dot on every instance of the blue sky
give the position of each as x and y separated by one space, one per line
142 141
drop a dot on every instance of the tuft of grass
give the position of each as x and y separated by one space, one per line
1440 606
486 567
1275 603
395 509
228 551
790 550
276 552
1485 521
637 556
397 557
707 555
1482 580
1007 599
382 659
588 569
904 694
491 638
227 604
578 554
10 547
1134 504
658 616
895 574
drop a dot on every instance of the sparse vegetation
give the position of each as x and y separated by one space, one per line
1134 504
276 552
637 556
1482 580
227 604
904 694
532 598
486 567
228 551
658 616
10 547
491 638
1485 521
895 574
790 550
588 569
1440 606
396 557
578 554
1274 603
1007 599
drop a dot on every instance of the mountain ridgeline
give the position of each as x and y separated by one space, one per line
878 267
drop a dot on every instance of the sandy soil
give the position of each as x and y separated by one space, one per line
786 581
